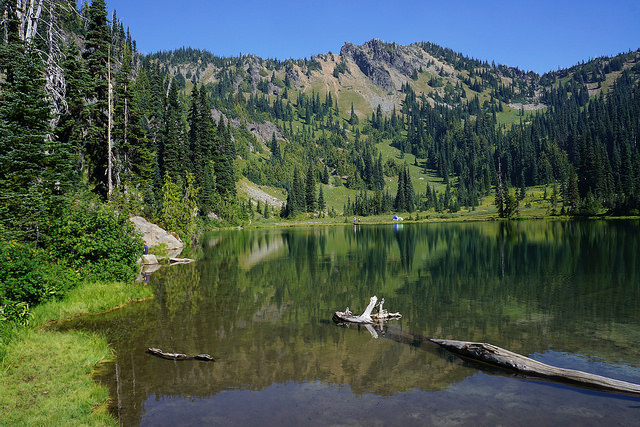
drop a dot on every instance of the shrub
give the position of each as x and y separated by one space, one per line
27 278
95 239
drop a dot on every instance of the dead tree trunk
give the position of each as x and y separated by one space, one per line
506 359
486 353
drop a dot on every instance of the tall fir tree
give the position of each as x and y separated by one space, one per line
310 189
173 149
34 168
224 155
97 42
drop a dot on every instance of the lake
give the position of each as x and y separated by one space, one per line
261 302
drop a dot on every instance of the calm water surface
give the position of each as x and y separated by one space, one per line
261 301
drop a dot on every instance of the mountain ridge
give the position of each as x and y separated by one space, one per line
389 66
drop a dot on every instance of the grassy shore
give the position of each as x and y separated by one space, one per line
46 376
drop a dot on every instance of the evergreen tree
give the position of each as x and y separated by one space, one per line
299 200
573 195
73 123
409 194
321 203
173 150
310 190
97 42
400 201
33 168
353 118
276 155
224 155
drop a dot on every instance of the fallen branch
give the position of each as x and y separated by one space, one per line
506 359
180 356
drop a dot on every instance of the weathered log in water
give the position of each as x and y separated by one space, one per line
180 356
486 353
497 356
366 317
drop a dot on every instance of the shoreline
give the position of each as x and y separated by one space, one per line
52 372
47 375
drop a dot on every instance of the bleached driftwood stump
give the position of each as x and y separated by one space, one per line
366 317
484 352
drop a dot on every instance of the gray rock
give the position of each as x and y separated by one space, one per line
149 259
375 58
369 67
153 235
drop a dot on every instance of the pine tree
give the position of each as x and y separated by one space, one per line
353 118
409 194
400 201
310 189
173 150
32 168
97 41
73 124
224 154
276 155
298 192
573 195
321 203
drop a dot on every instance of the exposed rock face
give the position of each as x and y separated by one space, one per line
291 73
376 58
369 67
154 235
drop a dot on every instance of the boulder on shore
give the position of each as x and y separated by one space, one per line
153 235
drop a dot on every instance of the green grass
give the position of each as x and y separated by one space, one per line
46 375
46 380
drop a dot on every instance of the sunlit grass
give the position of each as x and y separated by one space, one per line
46 375
46 380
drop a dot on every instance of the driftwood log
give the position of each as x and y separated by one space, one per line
496 356
487 353
180 356
174 260
366 317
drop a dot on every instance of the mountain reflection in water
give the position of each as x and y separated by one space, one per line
261 301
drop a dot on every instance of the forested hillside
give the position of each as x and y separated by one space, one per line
175 135
468 126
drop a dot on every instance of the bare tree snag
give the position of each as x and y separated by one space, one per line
180 356
109 125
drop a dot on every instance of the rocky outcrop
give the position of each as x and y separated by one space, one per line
370 68
292 73
153 235
375 59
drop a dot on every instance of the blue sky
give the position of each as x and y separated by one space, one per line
539 35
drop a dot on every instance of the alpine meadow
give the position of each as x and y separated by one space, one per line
94 132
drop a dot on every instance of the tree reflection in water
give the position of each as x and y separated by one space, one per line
261 302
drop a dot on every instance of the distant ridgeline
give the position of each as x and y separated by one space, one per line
182 128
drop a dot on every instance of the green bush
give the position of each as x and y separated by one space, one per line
27 278
96 240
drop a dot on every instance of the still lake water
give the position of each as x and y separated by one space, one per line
261 301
